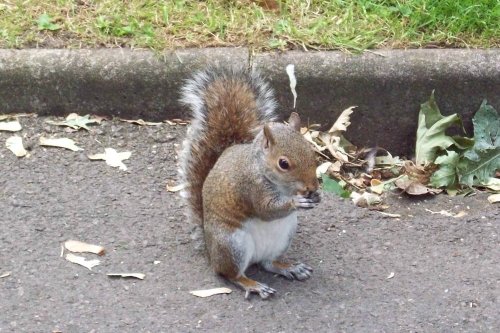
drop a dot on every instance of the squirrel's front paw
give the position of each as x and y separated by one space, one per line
308 201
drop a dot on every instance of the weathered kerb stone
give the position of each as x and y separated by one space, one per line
116 82
387 86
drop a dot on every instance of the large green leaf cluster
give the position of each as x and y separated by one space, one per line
461 160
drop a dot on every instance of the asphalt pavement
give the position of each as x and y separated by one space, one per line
421 272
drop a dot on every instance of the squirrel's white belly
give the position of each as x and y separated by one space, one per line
267 240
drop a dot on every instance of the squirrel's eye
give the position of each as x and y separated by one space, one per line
283 163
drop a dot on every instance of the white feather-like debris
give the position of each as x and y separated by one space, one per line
290 70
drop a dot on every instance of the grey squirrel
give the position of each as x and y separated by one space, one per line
245 175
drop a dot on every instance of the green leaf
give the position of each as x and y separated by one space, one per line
486 131
482 160
463 142
431 136
482 170
331 185
45 23
446 175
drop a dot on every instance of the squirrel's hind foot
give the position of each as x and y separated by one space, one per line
297 271
251 286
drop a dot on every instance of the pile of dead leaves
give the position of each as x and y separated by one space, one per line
457 164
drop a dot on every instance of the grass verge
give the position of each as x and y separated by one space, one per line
307 24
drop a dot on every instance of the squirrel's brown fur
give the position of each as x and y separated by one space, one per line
245 175
229 106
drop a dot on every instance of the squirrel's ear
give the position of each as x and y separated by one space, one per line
294 121
268 139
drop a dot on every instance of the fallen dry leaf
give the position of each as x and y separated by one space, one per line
4 275
414 187
328 168
418 173
141 122
332 143
492 184
16 115
82 261
322 168
77 246
366 199
494 198
447 213
175 188
391 275
15 145
99 119
357 182
335 167
309 128
174 122
342 122
60 142
10 126
211 292
310 136
112 158
441 212
76 121
139 276
388 160
379 187
390 214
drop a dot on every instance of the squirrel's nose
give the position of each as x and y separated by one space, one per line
313 186
309 189
309 194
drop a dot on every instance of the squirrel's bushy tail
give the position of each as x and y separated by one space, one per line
228 107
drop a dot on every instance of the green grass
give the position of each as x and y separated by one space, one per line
328 24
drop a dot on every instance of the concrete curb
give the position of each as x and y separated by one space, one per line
387 86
